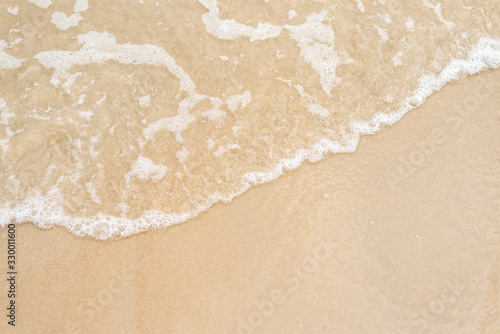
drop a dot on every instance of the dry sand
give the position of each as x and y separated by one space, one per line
401 236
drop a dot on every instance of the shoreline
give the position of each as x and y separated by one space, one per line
253 265
481 57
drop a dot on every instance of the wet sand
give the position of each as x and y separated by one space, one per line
401 236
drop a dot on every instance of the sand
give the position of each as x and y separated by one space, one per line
401 236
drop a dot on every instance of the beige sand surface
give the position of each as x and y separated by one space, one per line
358 243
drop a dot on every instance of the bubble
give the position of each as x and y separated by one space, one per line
262 160
116 235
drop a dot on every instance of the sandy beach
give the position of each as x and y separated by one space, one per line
401 236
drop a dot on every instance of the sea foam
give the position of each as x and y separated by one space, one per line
133 129
46 210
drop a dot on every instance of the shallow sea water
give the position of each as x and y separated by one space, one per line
122 116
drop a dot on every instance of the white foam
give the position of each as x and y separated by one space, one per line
307 100
318 109
81 99
6 113
484 55
230 29
243 100
382 33
214 113
224 148
41 3
92 192
87 114
81 6
175 124
47 210
437 11
210 143
410 23
145 169
396 59
386 18
360 5
315 41
101 47
7 61
145 101
291 14
13 10
92 141
182 155
312 106
63 22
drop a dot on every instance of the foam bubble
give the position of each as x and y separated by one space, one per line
214 113
410 23
182 155
92 192
318 109
382 33
101 47
485 54
243 100
224 148
145 169
63 22
13 10
316 46
312 106
360 5
396 59
6 113
145 101
7 61
41 3
81 6
175 124
230 29
88 114
437 11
